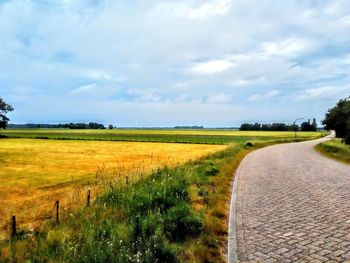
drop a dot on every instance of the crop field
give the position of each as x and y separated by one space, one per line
205 136
177 206
35 173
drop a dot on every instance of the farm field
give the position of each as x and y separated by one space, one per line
192 197
206 136
35 173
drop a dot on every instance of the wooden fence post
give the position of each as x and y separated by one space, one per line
57 211
13 226
88 197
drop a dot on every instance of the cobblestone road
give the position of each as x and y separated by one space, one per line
293 205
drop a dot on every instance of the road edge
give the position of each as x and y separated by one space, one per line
234 223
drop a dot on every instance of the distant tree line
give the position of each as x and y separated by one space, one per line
32 126
305 126
266 127
338 119
90 125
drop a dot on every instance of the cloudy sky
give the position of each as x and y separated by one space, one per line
166 63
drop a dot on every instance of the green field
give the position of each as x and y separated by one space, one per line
176 214
158 135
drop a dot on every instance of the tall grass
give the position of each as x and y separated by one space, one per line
335 149
138 223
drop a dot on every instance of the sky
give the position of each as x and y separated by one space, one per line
216 63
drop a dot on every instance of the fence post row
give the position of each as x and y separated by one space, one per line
57 207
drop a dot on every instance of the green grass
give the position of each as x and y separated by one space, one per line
174 215
154 135
336 150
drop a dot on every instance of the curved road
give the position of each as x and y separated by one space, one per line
290 204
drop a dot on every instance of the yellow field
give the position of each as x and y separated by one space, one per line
34 173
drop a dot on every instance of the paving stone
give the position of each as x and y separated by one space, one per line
294 205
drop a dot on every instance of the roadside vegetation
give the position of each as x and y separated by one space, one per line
176 214
335 149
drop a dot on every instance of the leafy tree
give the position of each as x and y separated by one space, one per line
307 126
338 119
4 109
110 126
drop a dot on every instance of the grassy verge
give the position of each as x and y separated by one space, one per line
175 215
335 149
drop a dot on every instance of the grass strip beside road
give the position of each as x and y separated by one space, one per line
336 150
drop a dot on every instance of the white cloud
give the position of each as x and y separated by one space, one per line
98 74
264 96
144 95
221 98
324 93
345 20
184 9
212 8
84 89
93 90
212 67
291 47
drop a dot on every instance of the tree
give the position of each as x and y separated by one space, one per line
110 126
314 124
307 126
4 109
338 119
246 127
